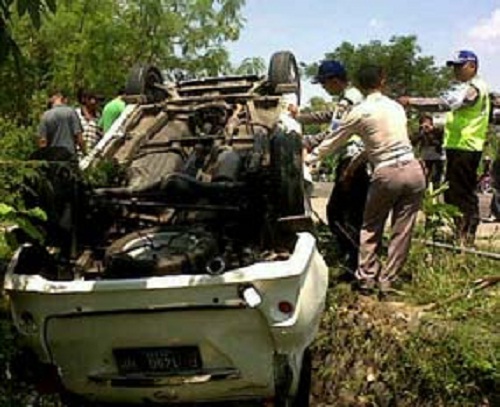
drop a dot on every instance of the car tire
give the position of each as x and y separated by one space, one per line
71 400
142 80
301 397
287 194
283 70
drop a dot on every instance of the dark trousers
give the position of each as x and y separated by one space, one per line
345 209
495 204
434 171
461 175
495 199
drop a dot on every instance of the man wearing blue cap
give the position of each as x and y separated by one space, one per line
468 107
347 200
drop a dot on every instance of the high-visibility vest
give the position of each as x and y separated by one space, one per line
466 127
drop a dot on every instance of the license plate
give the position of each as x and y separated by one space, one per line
158 360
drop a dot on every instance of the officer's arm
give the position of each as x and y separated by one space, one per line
338 137
458 97
320 117
425 104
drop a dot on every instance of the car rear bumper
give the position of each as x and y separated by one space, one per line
77 325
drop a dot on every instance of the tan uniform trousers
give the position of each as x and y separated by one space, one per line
398 188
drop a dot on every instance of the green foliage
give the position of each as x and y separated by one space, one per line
251 66
16 140
392 353
94 43
16 144
33 8
454 366
455 352
107 173
10 216
438 214
408 72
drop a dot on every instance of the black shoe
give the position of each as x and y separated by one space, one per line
364 286
346 275
387 288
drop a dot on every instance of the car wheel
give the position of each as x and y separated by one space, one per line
142 80
283 74
301 398
288 186
71 400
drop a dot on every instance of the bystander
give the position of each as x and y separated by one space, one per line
60 127
89 116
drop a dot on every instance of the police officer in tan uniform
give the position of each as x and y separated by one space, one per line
397 183
346 203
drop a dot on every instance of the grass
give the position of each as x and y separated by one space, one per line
393 353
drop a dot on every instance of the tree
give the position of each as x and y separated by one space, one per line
33 8
94 43
98 41
251 66
408 72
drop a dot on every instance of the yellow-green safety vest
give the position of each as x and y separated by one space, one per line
466 127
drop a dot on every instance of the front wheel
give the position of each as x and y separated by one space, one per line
144 80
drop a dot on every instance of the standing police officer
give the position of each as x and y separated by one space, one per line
346 204
465 134
397 183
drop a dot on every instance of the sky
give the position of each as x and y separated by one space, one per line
311 28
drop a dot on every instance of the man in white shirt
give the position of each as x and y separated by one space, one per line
397 183
346 204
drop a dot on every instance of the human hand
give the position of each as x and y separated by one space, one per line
404 100
427 127
313 162
314 168
311 158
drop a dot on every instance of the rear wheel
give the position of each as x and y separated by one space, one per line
284 75
301 398
143 80
71 400
304 390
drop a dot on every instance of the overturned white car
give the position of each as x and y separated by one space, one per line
191 275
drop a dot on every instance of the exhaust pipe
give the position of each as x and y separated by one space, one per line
216 266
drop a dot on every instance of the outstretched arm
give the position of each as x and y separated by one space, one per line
459 96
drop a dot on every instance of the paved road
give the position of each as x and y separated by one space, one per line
486 230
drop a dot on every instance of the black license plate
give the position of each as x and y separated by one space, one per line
158 360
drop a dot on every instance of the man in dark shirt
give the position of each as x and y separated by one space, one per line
429 139
60 126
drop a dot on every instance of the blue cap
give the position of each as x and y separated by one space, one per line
329 69
461 57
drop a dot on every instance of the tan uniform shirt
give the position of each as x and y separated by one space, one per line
380 122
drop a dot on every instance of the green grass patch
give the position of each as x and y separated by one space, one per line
395 353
